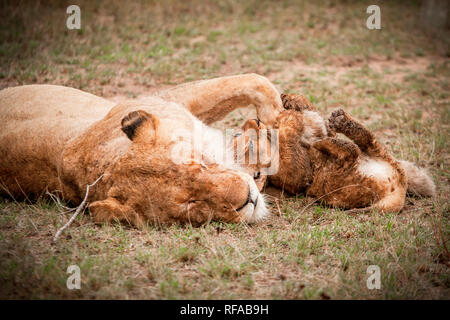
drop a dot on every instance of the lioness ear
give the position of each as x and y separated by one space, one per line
139 124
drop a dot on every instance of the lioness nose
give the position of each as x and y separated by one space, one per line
237 193
249 200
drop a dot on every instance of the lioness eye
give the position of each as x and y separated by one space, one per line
256 175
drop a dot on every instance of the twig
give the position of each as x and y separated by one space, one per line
278 207
31 221
58 201
77 212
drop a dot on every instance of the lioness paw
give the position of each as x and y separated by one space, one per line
110 210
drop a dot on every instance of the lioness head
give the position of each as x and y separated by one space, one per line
148 184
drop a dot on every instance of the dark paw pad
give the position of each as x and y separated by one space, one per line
338 112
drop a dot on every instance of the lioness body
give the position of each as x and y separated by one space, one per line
62 139
38 121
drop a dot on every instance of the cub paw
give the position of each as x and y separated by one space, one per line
296 102
340 121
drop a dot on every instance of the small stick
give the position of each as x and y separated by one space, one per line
77 212
278 206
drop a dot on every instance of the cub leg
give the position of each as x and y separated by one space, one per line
211 100
344 152
419 182
343 123
334 179
359 191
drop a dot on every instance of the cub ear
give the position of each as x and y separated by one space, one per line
140 125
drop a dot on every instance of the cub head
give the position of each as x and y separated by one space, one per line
253 145
297 127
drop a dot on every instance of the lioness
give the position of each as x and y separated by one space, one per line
62 139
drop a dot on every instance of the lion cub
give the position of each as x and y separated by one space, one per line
356 173
347 173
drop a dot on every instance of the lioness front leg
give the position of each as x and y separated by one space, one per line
211 100
111 210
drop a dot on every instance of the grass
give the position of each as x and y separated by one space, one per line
395 80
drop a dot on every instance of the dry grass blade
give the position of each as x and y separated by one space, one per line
79 209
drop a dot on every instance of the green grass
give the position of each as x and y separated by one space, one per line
395 80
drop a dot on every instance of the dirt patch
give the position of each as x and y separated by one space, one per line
397 68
